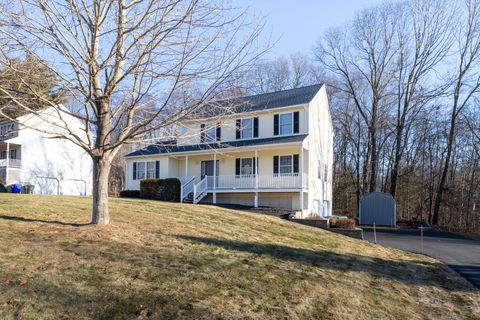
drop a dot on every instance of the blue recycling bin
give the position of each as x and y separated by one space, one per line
16 188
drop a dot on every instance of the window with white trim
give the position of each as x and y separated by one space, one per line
144 170
247 128
210 133
286 123
246 166
141 172
285 164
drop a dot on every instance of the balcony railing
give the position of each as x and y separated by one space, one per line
262 181
12 163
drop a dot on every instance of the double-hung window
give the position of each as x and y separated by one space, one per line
146 170
286 123
140 170
245 167
247 128
210 133
286 164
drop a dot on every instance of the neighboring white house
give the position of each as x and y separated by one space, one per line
275 150
52 165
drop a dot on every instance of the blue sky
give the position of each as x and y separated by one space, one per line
297 24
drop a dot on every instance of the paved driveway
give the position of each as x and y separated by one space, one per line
460 253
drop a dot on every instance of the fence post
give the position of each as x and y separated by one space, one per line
374 232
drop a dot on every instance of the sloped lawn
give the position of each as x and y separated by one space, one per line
161 260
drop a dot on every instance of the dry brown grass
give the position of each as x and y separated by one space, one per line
162 260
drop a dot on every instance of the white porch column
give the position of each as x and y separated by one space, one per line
256 171
301 177
214 178
255 200
8 162
186 166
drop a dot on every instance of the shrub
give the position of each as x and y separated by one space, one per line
3 189
161 189
129 194
342 223
332 222
148 188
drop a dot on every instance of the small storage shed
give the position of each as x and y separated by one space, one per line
377 208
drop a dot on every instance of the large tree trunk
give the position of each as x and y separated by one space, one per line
101 172
446 167
373 159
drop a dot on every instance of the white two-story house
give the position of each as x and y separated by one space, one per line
50 164
273 150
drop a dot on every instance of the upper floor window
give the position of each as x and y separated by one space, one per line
209 133
146 170
286 123
247 128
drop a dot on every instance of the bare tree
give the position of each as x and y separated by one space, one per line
423 38
466 84
361 57
122 62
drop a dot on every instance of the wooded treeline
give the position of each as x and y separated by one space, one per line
404 83
403 79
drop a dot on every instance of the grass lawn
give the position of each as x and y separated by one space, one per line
162 260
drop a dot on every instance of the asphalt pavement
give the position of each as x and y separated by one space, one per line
460 253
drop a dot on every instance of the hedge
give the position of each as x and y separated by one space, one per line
161 189
129 194
342 223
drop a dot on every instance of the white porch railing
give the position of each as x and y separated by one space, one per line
13 163
262 181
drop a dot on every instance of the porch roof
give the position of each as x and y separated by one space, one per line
167 146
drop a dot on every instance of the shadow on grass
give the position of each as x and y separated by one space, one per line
410 272
22 219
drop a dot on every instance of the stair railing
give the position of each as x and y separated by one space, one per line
199 190
187 188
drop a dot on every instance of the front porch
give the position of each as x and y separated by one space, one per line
251 175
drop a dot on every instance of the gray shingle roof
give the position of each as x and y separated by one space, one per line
169 147
259 102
